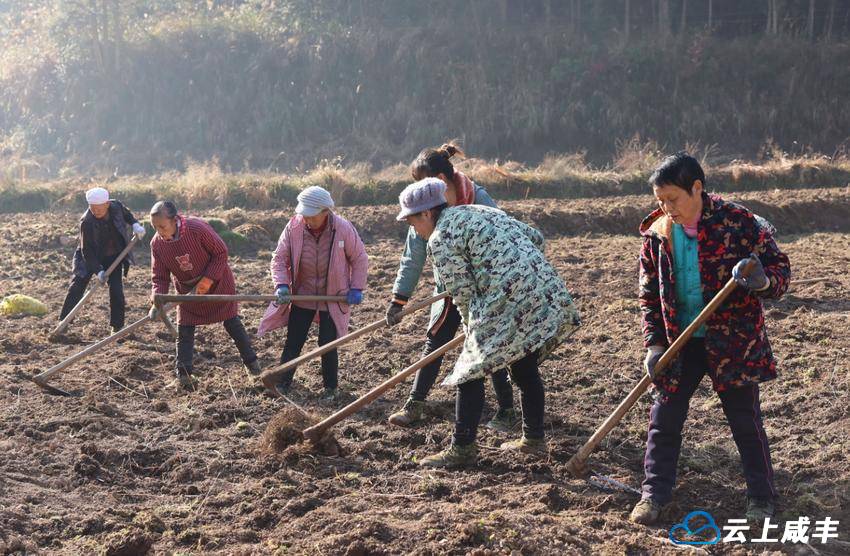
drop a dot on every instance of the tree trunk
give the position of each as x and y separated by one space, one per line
772 17
575 16
830 19
683 23
710 14
578 15
104 19
94 29
663 18
627 21
118 26
777 8
769 17
810 28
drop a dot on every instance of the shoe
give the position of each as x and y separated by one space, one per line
185 379
453 456
330 394
253 368
284 384
533 446
646 512
116 329
283 387
758 509
412 412
504 420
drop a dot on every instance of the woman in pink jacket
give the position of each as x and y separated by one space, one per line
318 253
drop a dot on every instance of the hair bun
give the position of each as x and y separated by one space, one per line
450 150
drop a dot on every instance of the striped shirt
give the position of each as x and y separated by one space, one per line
196 252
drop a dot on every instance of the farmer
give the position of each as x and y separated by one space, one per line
692 244
187 251
318 253
445 318
103 235
514 307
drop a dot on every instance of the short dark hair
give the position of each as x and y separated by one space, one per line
164 208
681 170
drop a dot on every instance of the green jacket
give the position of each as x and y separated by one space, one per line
413 261
510 298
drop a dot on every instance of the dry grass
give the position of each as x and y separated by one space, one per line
570 175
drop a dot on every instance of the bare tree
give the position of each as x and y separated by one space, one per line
663 19
810 27
710 14
830 20
773 10
575 15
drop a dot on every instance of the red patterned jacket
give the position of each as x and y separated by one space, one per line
196 252
736 341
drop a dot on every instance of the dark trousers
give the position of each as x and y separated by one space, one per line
300 320
667 417
427 375
186 343
78 286
469 402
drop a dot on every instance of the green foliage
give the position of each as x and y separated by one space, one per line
15 198
235 242
261 86
219 225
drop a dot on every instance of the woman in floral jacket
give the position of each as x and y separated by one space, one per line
514 307
692 245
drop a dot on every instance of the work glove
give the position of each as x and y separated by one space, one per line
153 314
653 355
204 286
102 277
282 293
139 230
394 315
756 281
354 297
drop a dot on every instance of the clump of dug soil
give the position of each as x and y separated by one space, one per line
283 434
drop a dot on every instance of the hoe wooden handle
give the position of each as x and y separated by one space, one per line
576 465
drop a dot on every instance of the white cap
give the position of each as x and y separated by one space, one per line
313 200
97 196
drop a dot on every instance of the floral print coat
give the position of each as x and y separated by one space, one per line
510 298
736 342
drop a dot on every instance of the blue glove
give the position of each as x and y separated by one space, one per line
756 281
282 293
101 276
354 297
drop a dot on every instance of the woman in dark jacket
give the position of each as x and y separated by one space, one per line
103 235
692 245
